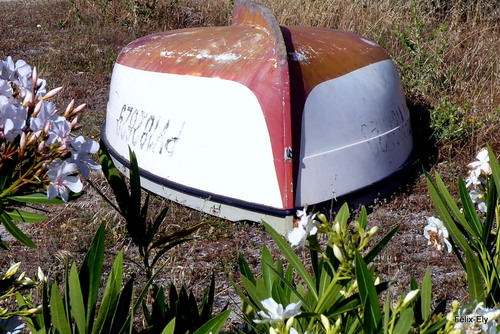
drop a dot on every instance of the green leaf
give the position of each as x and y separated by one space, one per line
476 288
405 322
245 268
368 296
177 235
25 216
215 324
110 296
363 217
426 295
121 321
380 245
267 274
470 210
59 319
170 328
387 312
495 168
15 231
293 259
76 300
36 198
343 215
444 215
90 274
115 179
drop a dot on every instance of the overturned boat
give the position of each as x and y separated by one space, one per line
253 121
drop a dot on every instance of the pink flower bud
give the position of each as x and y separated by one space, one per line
28 99
79 108
52 93
34 76
22 146
38 107
75 121
69 108
47 127
41 146
34 137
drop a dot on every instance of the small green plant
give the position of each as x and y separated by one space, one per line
141 229
182 306
12 284
342 293
426 51
78 309
450 121
473 227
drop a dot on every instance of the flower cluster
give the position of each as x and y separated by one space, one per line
12 282
437 234
480 320
479 171
304 226
36 138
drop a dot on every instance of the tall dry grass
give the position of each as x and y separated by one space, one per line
447 51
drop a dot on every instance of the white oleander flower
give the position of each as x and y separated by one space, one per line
60 176
478 197
480 320
306 226
275 312
80 150
437 234
479 169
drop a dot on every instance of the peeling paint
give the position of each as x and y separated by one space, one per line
369 42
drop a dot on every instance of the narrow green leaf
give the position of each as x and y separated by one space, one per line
387 312
121 320
59 319
405 322
495 168
256 292
110 296
290 287
426 295
36 198
363 217
90 274
380 245
293 259
169 328
215 324
267 274
206 307
474 280
444 215
25 216
156 224
470 210
452 206
245 268
15 231
115 179
372 315
177 235
135 184
76 300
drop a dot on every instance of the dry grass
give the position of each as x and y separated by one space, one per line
448 54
